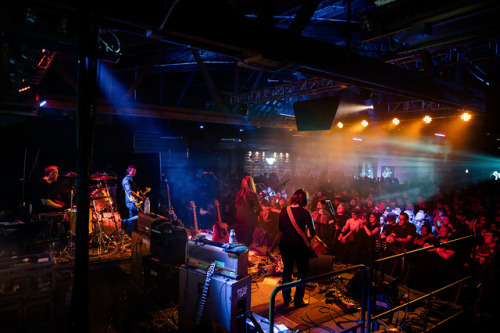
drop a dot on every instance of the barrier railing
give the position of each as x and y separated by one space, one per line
316 278
371 307
367 300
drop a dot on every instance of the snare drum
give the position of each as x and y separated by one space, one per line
70 216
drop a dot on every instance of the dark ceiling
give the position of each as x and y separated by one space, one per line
215 61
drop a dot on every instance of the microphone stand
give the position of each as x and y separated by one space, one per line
336 227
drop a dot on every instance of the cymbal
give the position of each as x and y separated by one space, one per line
103 177
70 174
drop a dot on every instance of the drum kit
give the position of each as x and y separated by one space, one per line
101 203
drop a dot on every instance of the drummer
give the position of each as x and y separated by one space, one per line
44 199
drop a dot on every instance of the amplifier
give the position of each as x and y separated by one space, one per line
201 255
145 221
226 299
168 243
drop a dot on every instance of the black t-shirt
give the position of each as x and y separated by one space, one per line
289 235
41 190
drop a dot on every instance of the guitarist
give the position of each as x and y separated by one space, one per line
133 195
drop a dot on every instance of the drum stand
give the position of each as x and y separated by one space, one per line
103 240
118 235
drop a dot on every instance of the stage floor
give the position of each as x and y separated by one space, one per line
121 303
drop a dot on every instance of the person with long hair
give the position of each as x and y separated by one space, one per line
248 209
293 248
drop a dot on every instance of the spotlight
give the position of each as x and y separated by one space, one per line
427 119
466 116
395 121
440 134
340 125
270 160
202 127
364 123
42 103
371 107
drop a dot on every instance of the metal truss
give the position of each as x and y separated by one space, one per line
309 86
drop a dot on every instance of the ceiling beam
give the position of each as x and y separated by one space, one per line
170 112
241 35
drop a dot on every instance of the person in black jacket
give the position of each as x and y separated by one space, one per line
292 246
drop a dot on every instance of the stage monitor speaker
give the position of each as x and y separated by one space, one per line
226 298
316 114
322 264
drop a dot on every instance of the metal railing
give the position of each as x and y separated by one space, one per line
297 283
367 317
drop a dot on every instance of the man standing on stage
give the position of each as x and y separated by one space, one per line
133 197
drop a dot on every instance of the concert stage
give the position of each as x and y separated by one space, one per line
128 295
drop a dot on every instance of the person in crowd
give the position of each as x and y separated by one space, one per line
294 223
350 236
370 231
248 209
323 222
339 249
485 253
426 236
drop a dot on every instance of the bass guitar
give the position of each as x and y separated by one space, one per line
194 231
220 230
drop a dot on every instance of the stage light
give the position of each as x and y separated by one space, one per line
395 121
364 123
357 139
340 125
371 106
427 119
440 134
466 116
42 103
270 160
202 127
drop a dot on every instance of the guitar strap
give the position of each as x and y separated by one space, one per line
299 231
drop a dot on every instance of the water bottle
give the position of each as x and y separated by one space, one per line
147 208
232 236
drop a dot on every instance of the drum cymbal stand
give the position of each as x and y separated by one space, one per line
118 234
103 239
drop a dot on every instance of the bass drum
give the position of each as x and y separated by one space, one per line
70 216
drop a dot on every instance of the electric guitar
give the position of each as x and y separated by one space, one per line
138 202
220 230
203 297
171 212
194 231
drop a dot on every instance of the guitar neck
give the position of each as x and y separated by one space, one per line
195 220
203 297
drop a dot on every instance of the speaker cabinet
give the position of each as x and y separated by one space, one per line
226 298
316 114
160 282
140 246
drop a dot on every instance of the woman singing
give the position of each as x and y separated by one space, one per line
292 245
247 211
